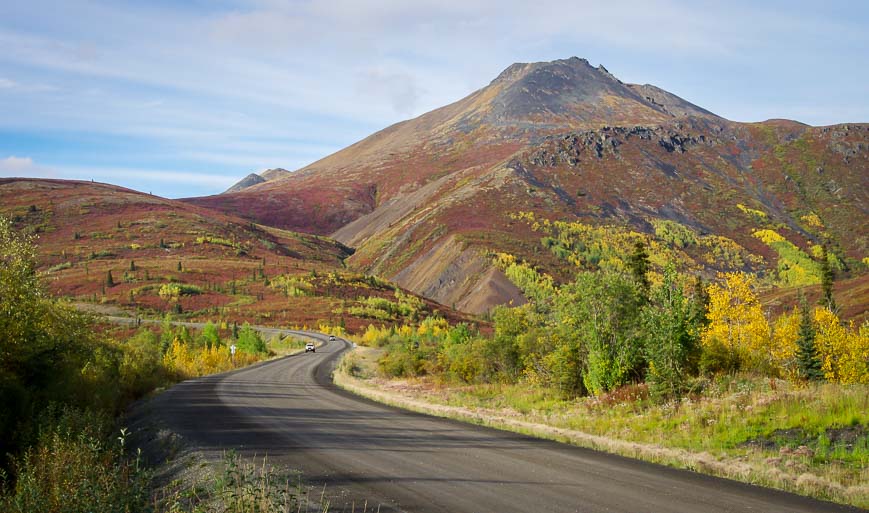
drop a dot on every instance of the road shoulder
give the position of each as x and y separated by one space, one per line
401 394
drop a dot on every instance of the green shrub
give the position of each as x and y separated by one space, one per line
671 323
250 341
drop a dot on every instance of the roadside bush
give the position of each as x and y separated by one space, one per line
461 360
600 314
671 326
141 365
76 465
405 358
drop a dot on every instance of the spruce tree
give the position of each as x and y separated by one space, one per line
808 361
827 277
700 301
110 282
638 264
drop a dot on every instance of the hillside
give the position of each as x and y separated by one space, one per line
167 256
426 202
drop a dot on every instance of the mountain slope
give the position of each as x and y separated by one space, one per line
426 202
164 255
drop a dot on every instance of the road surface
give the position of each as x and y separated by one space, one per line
362 451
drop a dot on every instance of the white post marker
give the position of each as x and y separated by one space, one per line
232 353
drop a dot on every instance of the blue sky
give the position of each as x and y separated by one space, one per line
184 98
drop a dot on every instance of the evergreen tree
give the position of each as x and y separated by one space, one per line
132 265
167 333
180 267
808 361
700 302
110 282
827 277
638 264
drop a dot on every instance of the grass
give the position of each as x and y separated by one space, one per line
812 440
241 486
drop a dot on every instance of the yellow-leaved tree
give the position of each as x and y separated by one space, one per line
844 351
738 333
785 333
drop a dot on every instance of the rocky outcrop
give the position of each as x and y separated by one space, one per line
570 149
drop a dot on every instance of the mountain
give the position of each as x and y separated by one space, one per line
523 104
428 201
223 266
254 179
274 174
248 181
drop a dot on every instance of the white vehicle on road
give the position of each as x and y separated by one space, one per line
309 347
331 338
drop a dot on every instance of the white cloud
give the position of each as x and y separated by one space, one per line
399 89
156 176
5 83
23 167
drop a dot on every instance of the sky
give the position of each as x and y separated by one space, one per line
184 98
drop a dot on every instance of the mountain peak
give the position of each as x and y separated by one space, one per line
248 181
274 173
518 69
569 93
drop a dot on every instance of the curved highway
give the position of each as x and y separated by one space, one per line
289 410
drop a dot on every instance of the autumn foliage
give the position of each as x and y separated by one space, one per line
738 324
609 328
